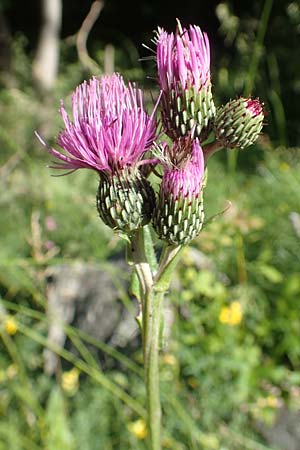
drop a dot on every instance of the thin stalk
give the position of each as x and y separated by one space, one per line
151 333
167 264
147 322
151 300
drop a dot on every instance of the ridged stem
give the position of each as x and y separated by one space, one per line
151 337
151 316
151 333
152 294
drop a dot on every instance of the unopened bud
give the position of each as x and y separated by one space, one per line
239 122
178 215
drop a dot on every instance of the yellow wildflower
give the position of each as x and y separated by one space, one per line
169 359
268 402
138 428
284 167
231 315
10 325
12 371
69 380
272 401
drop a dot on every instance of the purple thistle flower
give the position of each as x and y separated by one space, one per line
110 130
110 133
183 174
183 59
183 64
178 215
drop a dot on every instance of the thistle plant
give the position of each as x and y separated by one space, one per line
183 65
112 134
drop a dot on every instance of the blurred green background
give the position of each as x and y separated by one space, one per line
231 368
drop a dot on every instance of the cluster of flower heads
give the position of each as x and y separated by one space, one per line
113 134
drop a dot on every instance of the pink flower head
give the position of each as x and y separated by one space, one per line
183 58
254 107
110 129
184 178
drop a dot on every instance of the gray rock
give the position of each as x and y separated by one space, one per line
86 297
285 433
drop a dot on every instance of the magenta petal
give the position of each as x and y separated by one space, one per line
185 181
110 128
183 59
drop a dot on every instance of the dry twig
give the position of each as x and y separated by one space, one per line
83 33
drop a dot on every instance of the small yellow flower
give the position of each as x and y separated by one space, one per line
10 325
270 401
138 428
273 402
231 315
70 380
284 167
169 359
11 371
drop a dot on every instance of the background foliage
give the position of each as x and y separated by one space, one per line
233 358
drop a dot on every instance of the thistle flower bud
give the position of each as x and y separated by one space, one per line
239 122
183 62
178 215
188 111
125 200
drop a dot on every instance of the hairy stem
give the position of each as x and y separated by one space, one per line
151 332
152 293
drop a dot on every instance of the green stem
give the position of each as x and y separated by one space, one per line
167 264
210 149
136 255
151 333
151 301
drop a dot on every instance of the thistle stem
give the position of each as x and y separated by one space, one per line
151 333
152 294
210 149
152 306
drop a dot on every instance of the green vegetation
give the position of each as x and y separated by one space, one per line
233 356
